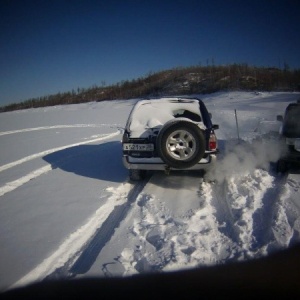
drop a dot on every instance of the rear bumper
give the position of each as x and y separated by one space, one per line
158 164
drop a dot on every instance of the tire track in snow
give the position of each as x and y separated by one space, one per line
165 241
10 186
283 221
263 230
55 127
72 247
252 200
46 152
224 212
84 245
105 232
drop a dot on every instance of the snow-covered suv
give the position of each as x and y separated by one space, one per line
290 135
168 133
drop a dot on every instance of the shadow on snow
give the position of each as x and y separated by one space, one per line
103 161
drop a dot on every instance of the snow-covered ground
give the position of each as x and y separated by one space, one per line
68 209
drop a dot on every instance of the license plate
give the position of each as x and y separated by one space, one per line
138 147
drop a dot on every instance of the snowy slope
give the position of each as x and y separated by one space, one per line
68 209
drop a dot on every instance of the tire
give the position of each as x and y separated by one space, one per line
137 175
281 166
180 144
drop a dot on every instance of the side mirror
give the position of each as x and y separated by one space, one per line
215 126
279 118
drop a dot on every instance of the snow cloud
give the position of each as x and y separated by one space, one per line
241 157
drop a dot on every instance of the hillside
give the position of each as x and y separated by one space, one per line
177 81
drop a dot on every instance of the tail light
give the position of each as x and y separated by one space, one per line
212 143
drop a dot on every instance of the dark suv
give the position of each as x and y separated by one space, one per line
168 133
290 134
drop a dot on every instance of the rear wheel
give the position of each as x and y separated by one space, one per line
137 175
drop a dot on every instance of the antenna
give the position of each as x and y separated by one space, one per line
237 125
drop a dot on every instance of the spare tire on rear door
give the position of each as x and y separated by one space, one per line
180 144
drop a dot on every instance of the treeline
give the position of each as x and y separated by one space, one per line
177 81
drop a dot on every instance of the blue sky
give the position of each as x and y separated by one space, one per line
58 45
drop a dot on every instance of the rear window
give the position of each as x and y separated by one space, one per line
155 113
